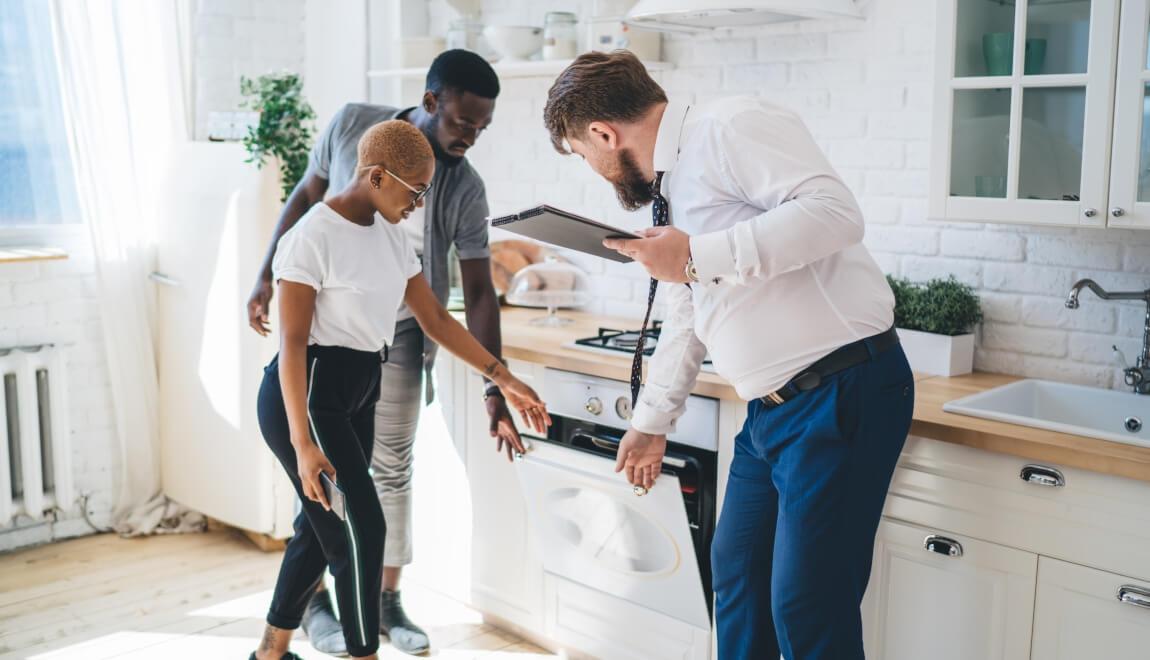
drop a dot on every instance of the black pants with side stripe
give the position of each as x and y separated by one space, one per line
342 389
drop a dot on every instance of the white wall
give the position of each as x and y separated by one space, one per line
864 88
234 38
335 49
55 303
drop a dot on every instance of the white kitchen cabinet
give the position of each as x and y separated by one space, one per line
506 573
1129 204
962 599
1025 103
1081 612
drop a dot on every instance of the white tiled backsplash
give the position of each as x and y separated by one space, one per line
864 88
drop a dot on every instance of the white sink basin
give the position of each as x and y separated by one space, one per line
1075 409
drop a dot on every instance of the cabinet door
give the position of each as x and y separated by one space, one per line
506 573
1023 110
1130 172
959 599
1082 612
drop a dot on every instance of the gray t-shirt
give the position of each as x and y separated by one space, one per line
455 208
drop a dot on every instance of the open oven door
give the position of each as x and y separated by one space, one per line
592 529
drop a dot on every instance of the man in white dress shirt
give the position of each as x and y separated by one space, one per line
762 265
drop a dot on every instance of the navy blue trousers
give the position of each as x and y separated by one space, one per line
792 551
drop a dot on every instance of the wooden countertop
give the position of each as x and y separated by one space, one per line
549 346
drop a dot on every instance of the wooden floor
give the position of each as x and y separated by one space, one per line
187 596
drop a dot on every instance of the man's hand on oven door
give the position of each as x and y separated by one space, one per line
640 458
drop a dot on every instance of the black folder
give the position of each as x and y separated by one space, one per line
557 227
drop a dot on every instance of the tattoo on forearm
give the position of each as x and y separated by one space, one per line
269 639
491 369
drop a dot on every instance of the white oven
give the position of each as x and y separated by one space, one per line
652 551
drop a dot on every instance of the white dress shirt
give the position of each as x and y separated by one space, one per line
777 242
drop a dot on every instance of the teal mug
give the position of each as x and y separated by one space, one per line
998 51
1035 56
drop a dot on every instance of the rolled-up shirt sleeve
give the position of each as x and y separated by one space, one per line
471 237
768 159
673 369
319 161
299 259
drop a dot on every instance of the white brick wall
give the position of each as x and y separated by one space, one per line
864 88
55 302
236 38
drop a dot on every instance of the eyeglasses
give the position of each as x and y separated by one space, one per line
417 194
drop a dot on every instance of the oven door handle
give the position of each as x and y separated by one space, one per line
612 445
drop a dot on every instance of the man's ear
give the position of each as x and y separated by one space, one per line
602 136
430 102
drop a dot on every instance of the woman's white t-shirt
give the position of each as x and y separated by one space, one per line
359 273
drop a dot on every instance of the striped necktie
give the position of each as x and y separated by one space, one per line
660 217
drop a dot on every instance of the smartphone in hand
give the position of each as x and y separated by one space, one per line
334 495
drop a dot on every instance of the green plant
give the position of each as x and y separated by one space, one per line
284 130
943 307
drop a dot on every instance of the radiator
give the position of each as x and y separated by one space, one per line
35 445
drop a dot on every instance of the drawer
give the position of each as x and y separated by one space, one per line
1093 519
591 622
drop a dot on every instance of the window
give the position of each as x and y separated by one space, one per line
36 181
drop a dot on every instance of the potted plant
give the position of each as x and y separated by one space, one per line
284 131
935 324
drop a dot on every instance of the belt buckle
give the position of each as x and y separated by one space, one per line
775 398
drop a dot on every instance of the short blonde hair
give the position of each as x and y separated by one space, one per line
396 145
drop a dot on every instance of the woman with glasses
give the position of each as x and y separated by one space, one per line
343 270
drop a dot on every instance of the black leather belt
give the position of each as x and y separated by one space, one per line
840 359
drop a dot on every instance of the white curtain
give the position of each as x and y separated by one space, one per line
123 96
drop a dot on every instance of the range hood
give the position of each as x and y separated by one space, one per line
697 15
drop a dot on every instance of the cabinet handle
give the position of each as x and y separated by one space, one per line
160 278
1117 211
612 445
1136 596
1040 475
1090 213
943 546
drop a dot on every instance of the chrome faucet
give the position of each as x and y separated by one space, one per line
1138 376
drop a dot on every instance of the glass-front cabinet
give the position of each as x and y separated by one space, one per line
1039 116
1130 175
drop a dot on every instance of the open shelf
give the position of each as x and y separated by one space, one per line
517 69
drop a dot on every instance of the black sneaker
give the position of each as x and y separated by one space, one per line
287 656
321 627
393 622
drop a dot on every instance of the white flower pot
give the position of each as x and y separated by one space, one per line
938 355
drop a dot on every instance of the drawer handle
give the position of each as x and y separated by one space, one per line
943 546
1040 475
1136 596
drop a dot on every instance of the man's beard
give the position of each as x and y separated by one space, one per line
441 155
634 190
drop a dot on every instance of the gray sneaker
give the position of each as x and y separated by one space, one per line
393 622
321 627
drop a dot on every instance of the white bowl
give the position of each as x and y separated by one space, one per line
514 42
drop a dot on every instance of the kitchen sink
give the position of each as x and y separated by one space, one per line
1088 411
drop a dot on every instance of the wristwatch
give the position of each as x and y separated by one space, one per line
689 270
491 390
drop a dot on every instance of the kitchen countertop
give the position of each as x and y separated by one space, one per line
548 346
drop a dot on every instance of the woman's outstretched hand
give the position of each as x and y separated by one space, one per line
524 399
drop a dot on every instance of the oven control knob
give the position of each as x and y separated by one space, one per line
593 405
623 407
